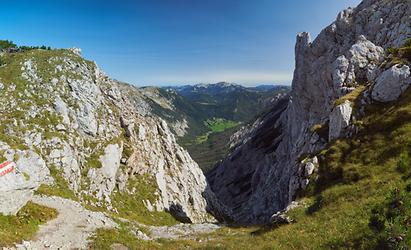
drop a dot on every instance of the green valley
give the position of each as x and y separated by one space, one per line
205 115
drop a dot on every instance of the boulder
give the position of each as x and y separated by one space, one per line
339 120
19 180
391 84
309 169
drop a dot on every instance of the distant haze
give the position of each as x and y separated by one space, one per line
242 78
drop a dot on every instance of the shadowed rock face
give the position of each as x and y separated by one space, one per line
262 174
233 180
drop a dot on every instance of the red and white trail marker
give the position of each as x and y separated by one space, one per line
6 168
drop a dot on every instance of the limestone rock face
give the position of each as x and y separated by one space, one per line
183 189
339 120
359 65
65 158
263 171
103 180
391 83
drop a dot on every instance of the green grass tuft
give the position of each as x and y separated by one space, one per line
129 203
352 96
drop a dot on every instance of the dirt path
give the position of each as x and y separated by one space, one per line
75 224
181 231
70 230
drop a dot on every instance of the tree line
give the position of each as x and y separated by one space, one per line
6 45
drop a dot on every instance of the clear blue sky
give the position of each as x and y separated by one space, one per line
161 42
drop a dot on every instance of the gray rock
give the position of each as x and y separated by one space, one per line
61 108
182 231
103 180
65 158
60 127
309 169
339 120
18 185
76 51
391 84
87 120
280 218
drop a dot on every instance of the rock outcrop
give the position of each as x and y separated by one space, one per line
391 83
339 120
263 173
20 178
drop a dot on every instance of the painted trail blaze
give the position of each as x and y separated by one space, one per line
6 167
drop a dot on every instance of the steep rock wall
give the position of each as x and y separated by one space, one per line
258 181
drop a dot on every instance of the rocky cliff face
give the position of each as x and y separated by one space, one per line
349 58
61 112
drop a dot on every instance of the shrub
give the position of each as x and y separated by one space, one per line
6 44
321 130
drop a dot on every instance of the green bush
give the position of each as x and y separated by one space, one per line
6 44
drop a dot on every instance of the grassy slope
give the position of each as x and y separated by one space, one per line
24 225
211 147
130 203
214 149
218 125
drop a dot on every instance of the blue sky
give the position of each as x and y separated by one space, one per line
163 42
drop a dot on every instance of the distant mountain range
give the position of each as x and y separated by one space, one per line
195 112
201 102
222 87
